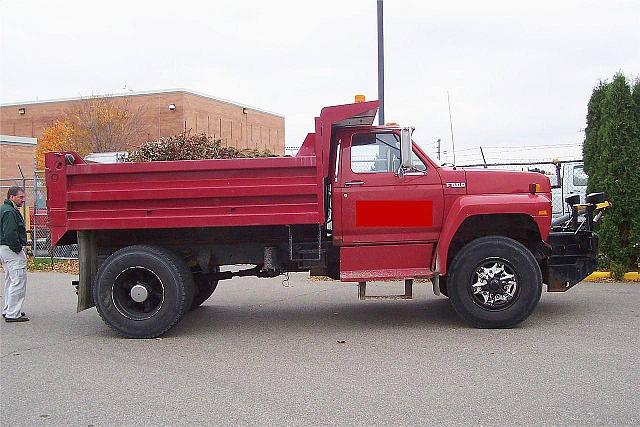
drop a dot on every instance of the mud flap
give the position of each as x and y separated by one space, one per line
88 267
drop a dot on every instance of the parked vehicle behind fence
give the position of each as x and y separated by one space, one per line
570 180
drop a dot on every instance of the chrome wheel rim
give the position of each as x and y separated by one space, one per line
137 293
494 284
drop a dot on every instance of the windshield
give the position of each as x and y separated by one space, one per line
433 156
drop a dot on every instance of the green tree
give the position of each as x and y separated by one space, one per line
592 149
612 159
635 94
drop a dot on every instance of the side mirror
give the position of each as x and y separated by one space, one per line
405 148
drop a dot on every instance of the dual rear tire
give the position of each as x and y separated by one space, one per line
205 285
142 291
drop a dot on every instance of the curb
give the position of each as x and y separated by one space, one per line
599 275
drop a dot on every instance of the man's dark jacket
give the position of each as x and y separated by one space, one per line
12 230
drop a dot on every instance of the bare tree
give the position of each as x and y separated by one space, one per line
107 123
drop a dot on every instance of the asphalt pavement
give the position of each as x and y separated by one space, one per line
260 353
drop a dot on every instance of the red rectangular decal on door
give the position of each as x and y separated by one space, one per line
394 213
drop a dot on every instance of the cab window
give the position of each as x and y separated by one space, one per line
375 152
417 163
580 177
379 153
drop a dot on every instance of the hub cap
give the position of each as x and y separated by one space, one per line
137 293
494 285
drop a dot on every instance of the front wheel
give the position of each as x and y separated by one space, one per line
494 282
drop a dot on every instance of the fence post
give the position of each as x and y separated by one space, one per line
24 188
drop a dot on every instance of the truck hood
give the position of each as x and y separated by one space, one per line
491 181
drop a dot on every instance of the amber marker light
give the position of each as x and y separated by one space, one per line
534 188
359 99
543 213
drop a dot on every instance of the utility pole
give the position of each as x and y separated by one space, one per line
380 64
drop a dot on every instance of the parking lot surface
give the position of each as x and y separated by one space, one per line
259 353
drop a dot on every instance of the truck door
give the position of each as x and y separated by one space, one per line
377 205
576 181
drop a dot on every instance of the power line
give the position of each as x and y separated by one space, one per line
523 147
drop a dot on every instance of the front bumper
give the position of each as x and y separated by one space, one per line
573 257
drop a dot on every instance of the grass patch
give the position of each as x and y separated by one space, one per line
69 266
39 264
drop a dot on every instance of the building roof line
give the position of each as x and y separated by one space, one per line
23 140
140 93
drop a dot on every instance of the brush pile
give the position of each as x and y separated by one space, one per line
185 146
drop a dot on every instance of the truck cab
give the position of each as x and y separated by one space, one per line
389 214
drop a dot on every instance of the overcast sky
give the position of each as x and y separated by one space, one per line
519 73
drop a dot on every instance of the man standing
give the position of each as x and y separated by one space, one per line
13 236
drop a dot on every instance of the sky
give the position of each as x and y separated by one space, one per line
518 74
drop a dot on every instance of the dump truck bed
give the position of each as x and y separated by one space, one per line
196 193
182 194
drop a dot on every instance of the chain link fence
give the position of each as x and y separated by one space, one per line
39 230
22 182
291 150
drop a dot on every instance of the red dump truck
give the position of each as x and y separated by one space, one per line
357 203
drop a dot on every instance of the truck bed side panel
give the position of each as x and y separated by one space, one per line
201 193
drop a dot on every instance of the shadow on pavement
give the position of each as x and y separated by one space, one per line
433 314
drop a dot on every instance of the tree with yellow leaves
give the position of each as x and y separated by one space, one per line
94 125
59 137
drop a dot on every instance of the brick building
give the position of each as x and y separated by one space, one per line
17 155
16 151
165 113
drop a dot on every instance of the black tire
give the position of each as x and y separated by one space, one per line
205 286
497 303
166 279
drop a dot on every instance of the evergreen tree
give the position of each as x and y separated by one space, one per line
635 94
635 183
612 159
592 147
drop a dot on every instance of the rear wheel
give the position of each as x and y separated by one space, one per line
142 291
494 282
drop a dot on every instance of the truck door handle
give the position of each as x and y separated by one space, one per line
350 183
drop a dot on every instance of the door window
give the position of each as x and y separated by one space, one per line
378 153
375 153
579 176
